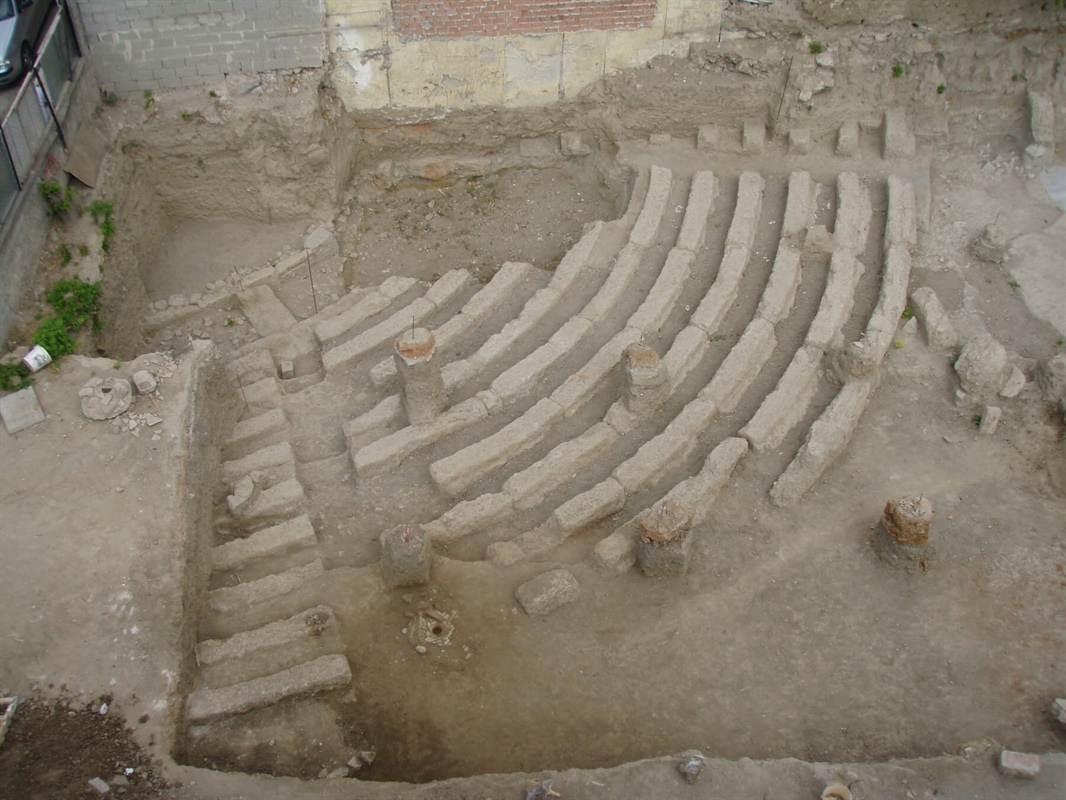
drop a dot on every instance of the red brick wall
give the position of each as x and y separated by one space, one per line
451 19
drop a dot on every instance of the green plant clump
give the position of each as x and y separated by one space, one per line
65 255
58 199
14 377
941 88
908 312
76 302
83 249
816 48
148 99
897 71
54 337
103 214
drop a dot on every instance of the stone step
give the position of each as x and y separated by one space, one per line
276 462
477 310
440 295
335 329
264 311
281 501
386 418
827 439
269 649
787 404
232 600
323 674
255 433
239 555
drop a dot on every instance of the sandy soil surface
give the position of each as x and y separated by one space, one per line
787 638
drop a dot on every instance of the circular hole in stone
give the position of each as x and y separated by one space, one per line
437 630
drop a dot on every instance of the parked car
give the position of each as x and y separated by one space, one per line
21 22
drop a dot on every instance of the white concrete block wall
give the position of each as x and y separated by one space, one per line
141 45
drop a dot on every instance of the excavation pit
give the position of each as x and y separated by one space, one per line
745 271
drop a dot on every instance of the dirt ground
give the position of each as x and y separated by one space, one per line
787 638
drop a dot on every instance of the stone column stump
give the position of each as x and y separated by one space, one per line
420 376
663 544
647 381
406 556
901 538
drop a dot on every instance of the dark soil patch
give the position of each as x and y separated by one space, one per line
53 750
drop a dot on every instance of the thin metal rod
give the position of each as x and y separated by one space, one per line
310 277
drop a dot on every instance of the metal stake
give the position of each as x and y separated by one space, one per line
310 277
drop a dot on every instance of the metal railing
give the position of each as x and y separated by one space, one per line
39 105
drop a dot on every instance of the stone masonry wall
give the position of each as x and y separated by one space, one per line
423 54
442 19
140 45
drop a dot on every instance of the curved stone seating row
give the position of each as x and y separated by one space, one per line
692 497
831 432
461 470
478 308
529 487
515 382
735 374
445 291
381 420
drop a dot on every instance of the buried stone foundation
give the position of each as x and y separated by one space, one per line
647 381
663 544
424 396
901 538
406 556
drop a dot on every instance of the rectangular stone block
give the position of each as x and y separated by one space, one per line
1019 765
660 300
848 139
616 554
700 204
742 365
753 137
746 213
523 377
291 535
547 592
20 410
722 293
656 456
579 387
322 674
610 294
646 228
602 500
232 600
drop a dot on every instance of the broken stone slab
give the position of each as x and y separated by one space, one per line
1018 765
708 138
1058 710
99 785
659 139
1014 384
990 418
105 398
799 141
1042 119
547 592
899 142
982 365
848 139
21 410
144 381
939 331
406 556
753 137
244 492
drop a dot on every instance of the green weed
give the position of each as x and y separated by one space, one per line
816 48
14 377
941 88
59 199
908 312
897 71
102 212
148 99
83 249
65 256
54 337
